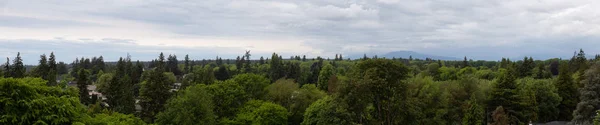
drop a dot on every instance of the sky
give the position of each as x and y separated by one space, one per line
477 29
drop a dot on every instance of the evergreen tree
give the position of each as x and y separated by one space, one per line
18 70
276 71
53 70
262 60
504 93
590 97
465 63
474 114
172 65
303 58
120 89
154 92
42 69
82 82
187 65
567 90
7 69
62 68
222 73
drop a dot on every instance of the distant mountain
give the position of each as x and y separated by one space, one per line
415 55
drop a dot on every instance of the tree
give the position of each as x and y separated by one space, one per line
262 113
113 118
465 63
326 72
287 94
187 65
82 82
276 71
525 68
567 90
254 85
589 96
474 114
18 70
30 101
154 91
119 92
326 111
222 73
262 60
499 117
62 68
7 68
193 106
227 98
42 69
377 82
172 63
504 93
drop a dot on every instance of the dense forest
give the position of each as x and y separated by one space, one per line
300 91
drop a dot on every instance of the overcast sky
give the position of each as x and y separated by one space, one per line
478 29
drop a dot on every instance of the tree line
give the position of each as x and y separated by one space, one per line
301 91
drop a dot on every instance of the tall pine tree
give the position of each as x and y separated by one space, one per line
120 89
154 92
504 93
589 96
567 90
82 82
18 69
53 70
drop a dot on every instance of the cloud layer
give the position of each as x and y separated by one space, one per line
480 29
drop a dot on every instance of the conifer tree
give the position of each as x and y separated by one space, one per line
187 64
567 90
262 60
120 89
7 69
82 82
155 91
53 70
18 70
504 93
589 97
42 69
303 58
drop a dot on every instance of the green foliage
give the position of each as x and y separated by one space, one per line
82 82
539 97
567 90
276 70
287 94
29 101
18 70
589 96
504 93
228 96
377 82
155 91
327 111
113 118
474 114
326 72
119 91
194 105
448 73
254 85
256 112
103 81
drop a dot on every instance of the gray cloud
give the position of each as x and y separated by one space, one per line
481 29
